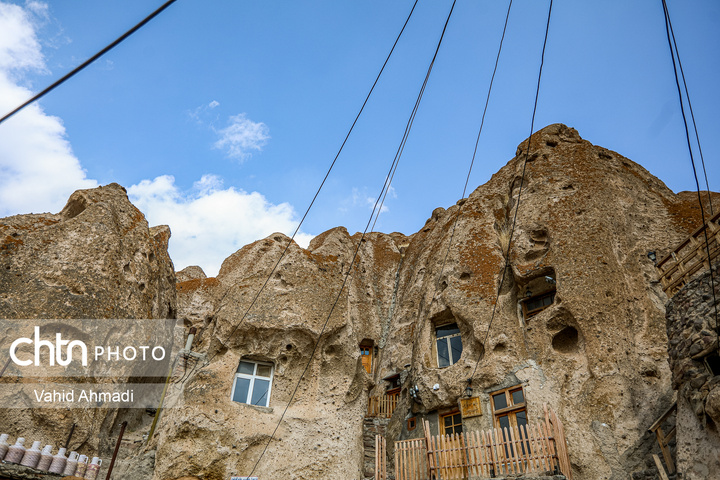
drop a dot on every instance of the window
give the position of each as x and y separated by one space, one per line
509 409
449 344
534 305
366 355
411 424
253 382
451 423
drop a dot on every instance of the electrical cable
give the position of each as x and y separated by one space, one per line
668 27
90 60
385 186
477 141
409 125
692 114
517 207
327 174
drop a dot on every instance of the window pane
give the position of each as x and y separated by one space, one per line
448 421
517 397
521 417
499 401
264 370
446 330
240 394
260 392
246 368
455 348
443 354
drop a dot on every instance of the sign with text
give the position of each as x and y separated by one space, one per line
81 363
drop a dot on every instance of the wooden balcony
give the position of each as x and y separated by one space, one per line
690 257
382 406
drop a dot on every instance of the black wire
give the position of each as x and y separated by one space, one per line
692 115
408 126
477 141
385 186
522 179
327 174
89 60
668 27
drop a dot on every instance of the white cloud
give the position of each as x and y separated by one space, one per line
213 104
38 170
362 198
209 223
242 136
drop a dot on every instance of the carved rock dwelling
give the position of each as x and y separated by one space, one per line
578 325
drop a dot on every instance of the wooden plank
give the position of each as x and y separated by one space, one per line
660 468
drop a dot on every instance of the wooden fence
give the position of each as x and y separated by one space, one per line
535 448
411 458
382 406
380 458
676 269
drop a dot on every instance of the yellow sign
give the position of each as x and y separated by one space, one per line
470 407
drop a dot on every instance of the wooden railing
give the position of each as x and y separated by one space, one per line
676 269
535 448
664 438
382 406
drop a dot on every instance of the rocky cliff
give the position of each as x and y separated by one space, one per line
579 322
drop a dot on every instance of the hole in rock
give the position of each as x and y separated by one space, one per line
566 340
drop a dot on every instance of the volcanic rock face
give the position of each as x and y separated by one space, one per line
577 319
96 259
597 354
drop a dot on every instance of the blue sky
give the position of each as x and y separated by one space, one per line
220 118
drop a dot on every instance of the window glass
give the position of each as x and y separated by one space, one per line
517 397
499 401
260 391
246 368
443 354
252 384
242 387
446 330
504 422
456 348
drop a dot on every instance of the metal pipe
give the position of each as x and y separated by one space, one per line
190 338
117 447
72 429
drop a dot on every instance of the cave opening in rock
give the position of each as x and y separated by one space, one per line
566 340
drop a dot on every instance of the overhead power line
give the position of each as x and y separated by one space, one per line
376 208
517 206
673 53
327 174
89 60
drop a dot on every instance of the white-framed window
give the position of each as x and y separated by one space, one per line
253 383
449 344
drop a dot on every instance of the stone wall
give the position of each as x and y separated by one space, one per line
692 337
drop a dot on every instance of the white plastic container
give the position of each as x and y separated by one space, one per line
71 464
3 445
16 452
58 462
31 458
81 466
46 458
93 468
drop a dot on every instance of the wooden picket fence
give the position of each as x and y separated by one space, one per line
535 448
380 458
382 406
691 256
411 459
